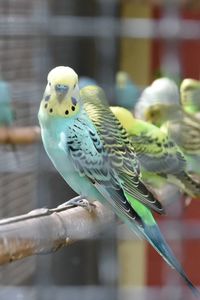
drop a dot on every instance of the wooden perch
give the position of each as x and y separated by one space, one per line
46 230
19 135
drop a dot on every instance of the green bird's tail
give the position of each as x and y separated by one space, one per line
191 186
151 232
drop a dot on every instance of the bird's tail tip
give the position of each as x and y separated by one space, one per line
158 242
192 287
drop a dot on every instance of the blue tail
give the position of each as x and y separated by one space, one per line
134 216
154 236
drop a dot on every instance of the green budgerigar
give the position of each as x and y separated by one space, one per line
95 156
190 95
185 130
162 107
157 153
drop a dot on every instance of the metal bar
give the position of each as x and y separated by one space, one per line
73 26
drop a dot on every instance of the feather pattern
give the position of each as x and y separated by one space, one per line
118 147
157 152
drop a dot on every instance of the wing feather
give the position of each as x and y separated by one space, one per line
90 160
157 152
118 147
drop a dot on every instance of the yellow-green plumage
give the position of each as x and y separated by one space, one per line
116 142
157 153
190 95
94 102
178 118
185 132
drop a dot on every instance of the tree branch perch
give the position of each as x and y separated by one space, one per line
20 135
46 230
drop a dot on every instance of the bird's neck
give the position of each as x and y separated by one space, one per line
56 124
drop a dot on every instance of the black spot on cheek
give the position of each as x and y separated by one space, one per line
66 112
46 105
51 110
73 108
74 101
47 98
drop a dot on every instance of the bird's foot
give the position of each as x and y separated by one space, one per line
79 201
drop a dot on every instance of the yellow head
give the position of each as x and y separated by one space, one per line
190 91
189 84
61 97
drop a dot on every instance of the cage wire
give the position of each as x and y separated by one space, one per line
18 167
35 36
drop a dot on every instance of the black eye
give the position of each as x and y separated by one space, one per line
73 108
66 112
51 110
74 85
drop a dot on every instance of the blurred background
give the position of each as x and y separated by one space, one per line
97 38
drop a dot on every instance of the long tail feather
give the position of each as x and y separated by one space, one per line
155 237
149 230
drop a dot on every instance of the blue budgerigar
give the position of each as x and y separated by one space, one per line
126 92
7 115
6 110
93 153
